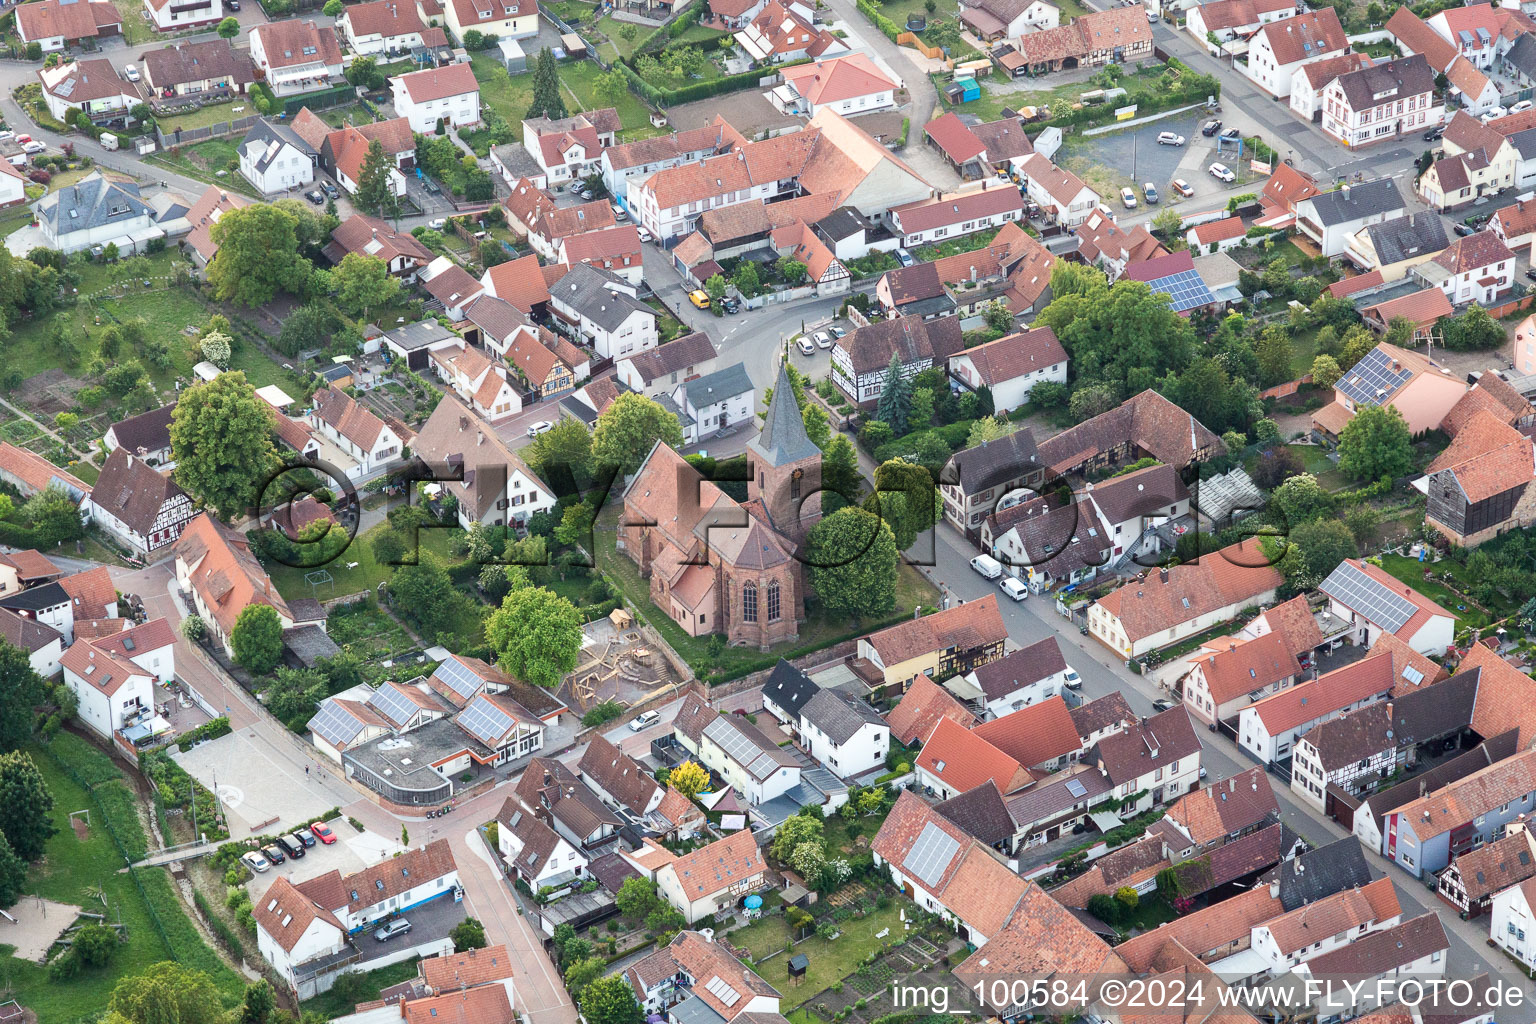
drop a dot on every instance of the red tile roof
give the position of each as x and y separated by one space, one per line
954 138
1243 668
1033 735
969 626
964 760
1232 575
837 79
920 709
1327 694
439 83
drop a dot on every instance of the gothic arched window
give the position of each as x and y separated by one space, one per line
749 603
773 601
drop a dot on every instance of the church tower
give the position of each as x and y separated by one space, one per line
785 465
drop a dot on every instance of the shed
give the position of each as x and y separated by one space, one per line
621 618
512 55
573 44
338 376
798 965
206 370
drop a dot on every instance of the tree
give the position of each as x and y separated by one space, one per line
306 327
26 806
1325 371
1355 345
363 283
1122 335
612 87
1474 329
1301 499
221 437
1274 466
425 593
333 9
610 1000
1376 444
895 397
637 896
259 1002
229 28
629 428
13 874
791 270
167 993
94 945
583 973
257 638
984 430
689 779
21 690
575 524
468 934
714 287
841 483
1274 352
906 499
1092 400
562 455
1127 898
1400 331
746 279
998 317
547 101
376 184
1169 225
53 516
536 635
194 628
1313 550
258 255
1103 906
217 347
852 559
797 830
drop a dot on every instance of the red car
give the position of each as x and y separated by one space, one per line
322 833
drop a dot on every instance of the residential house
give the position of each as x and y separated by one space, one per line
274 158
1049 541
112 691
1062 196
977 150
89 85
1174 276
293 931
697 975
1492 394
1330 219
471 969
1480 485
402 255
1423 309
1220 813
450 286
209 209
96 210
296 56
381 26
1226 20
1017 680
618 779
1511 924
370 442
850 84
1394 247
915 291
920 708
1103 243
709 879
1374 602
1381 102
601 310
1416 386
543 359
1097 37
184 68
414 344
1476 92
41 643
342 151
1222 683
1515 224
138 506
1007 19
1309 81
713 403
1480 36
1040 737
553 792
844 734
861 358
1293 938
570 147
779 34
954 761
1268 729
535 853
1157 757
1475 268
749 760
448 95
1132 507
949 642
27 568
1423 835
215 567
1011 366
1145 425
479 382
56 24
975 482
644 157
179 15
1413 35
491 483
1280 48
503 19
931 220
615 249
1177 602
657 371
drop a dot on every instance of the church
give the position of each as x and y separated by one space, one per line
717 565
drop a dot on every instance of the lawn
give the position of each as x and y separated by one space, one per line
202 117
580 81
509 96
368 574
570 11
1303 351
617 45
820 630
1411 572
830 961
75 872
205 161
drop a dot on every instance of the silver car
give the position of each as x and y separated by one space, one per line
385 932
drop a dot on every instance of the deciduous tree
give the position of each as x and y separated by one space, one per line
221 436
536 635
853 559
1375 443
363 283
229 28
257 638
168 993
21 690
26 806
689 779
629 428
258 255
1326 372
610 1000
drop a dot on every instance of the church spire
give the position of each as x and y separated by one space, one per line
783 439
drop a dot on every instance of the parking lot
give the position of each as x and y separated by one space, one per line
1134 157
262 786
352 852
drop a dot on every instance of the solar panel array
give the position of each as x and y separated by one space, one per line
1076 788
930 855
1371 599
459 678
721 990
485 721
739 747
394 705
334 725
1372 375
1185 289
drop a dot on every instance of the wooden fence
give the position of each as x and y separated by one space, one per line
931 52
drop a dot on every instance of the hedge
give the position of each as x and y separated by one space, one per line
871 10
952 434
699 90
18 536
322 98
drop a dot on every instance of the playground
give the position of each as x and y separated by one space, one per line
617 663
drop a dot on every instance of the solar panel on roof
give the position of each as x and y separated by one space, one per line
930 855
1076 788
459 678
388 701
1372 380
485 721
334 725
1354 588
1185 290
722 991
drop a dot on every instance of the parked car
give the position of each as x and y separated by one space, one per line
1222 172
1152 18
323 832
231 5
805 347
33 147
290 845
541 427
1170 139
273 853
1435 134
1150 191
1072 680
255 861
1492 114
1465 229
385 932
314 195
1182 188
1521 106
1163 704
730 305
130 72
644 720
645 236
619 213
822 339
837 332
1231 135
699 297
1014 588
1211 127
330 190
1530 275
1128 197
306 836
904 257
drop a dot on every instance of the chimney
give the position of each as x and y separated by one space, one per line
1162 575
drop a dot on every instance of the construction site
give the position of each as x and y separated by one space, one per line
620 663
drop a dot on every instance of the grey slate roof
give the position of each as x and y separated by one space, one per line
598 295
789 688
418 335
1522 56
843 222
1418 234
783 439
150 431
1367 199
716 387
1322 872
263 138
92 202
987 465
1021 668
1525 142
980 813
840 715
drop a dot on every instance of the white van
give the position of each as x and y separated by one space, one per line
988 566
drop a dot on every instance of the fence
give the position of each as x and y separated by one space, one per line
1290 387
186 136
908 39
335 96
1512 306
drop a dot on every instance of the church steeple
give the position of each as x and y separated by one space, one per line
785 464
783 439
